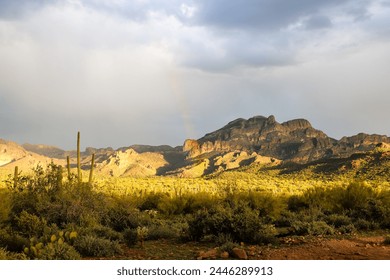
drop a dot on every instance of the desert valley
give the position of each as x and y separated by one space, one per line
255 188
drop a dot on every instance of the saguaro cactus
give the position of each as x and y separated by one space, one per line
91 171
16 174
78 158
68 166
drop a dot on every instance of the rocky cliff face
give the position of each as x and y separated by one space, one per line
294 140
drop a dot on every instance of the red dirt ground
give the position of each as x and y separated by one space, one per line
297 248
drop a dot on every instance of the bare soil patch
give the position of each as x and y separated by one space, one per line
291 248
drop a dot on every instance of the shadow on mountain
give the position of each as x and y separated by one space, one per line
175 160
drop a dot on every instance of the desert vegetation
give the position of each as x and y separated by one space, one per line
51 214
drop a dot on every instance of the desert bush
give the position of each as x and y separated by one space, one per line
286 218
45 195
299 227
12 241
338 220
151 201
5 205
296 203
214 221
130 236
107 233
92 246
365 225
174 205
268 205
311 228
355 196
320 228
247 226
6 255
320 198
121 218
242 223
29 224
98 230
162 231
346 229
228 247
223 238
59 251
375 210
54 250
200 200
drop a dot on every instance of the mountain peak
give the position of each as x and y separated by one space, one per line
293 140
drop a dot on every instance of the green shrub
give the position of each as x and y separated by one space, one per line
223 238
92 246
213 221
174 205
346 229
5 205
364 225
338 220
355 196
311 228
320 228
130 237
248 227
228 247
121 217
300 227
268 206
161 232
107 233
30 225
58 251
12 241
151 201
242 223
296 203
200 200
6 255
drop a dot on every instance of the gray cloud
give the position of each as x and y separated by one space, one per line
255 14
157 72
318 22
14 9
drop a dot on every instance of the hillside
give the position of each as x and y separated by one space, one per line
294 140
240 143
371 166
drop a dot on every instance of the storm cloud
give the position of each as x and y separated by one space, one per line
157 72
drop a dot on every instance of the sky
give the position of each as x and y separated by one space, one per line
159 72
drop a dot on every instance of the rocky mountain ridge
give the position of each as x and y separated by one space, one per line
294 140
239 143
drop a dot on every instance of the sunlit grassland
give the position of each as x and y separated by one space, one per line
237 181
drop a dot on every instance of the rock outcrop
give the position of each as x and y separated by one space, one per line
294 140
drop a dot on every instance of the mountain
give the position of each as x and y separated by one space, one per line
239 143
10 151
12 154
45 150
294 140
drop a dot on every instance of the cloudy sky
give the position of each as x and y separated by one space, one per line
158 72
